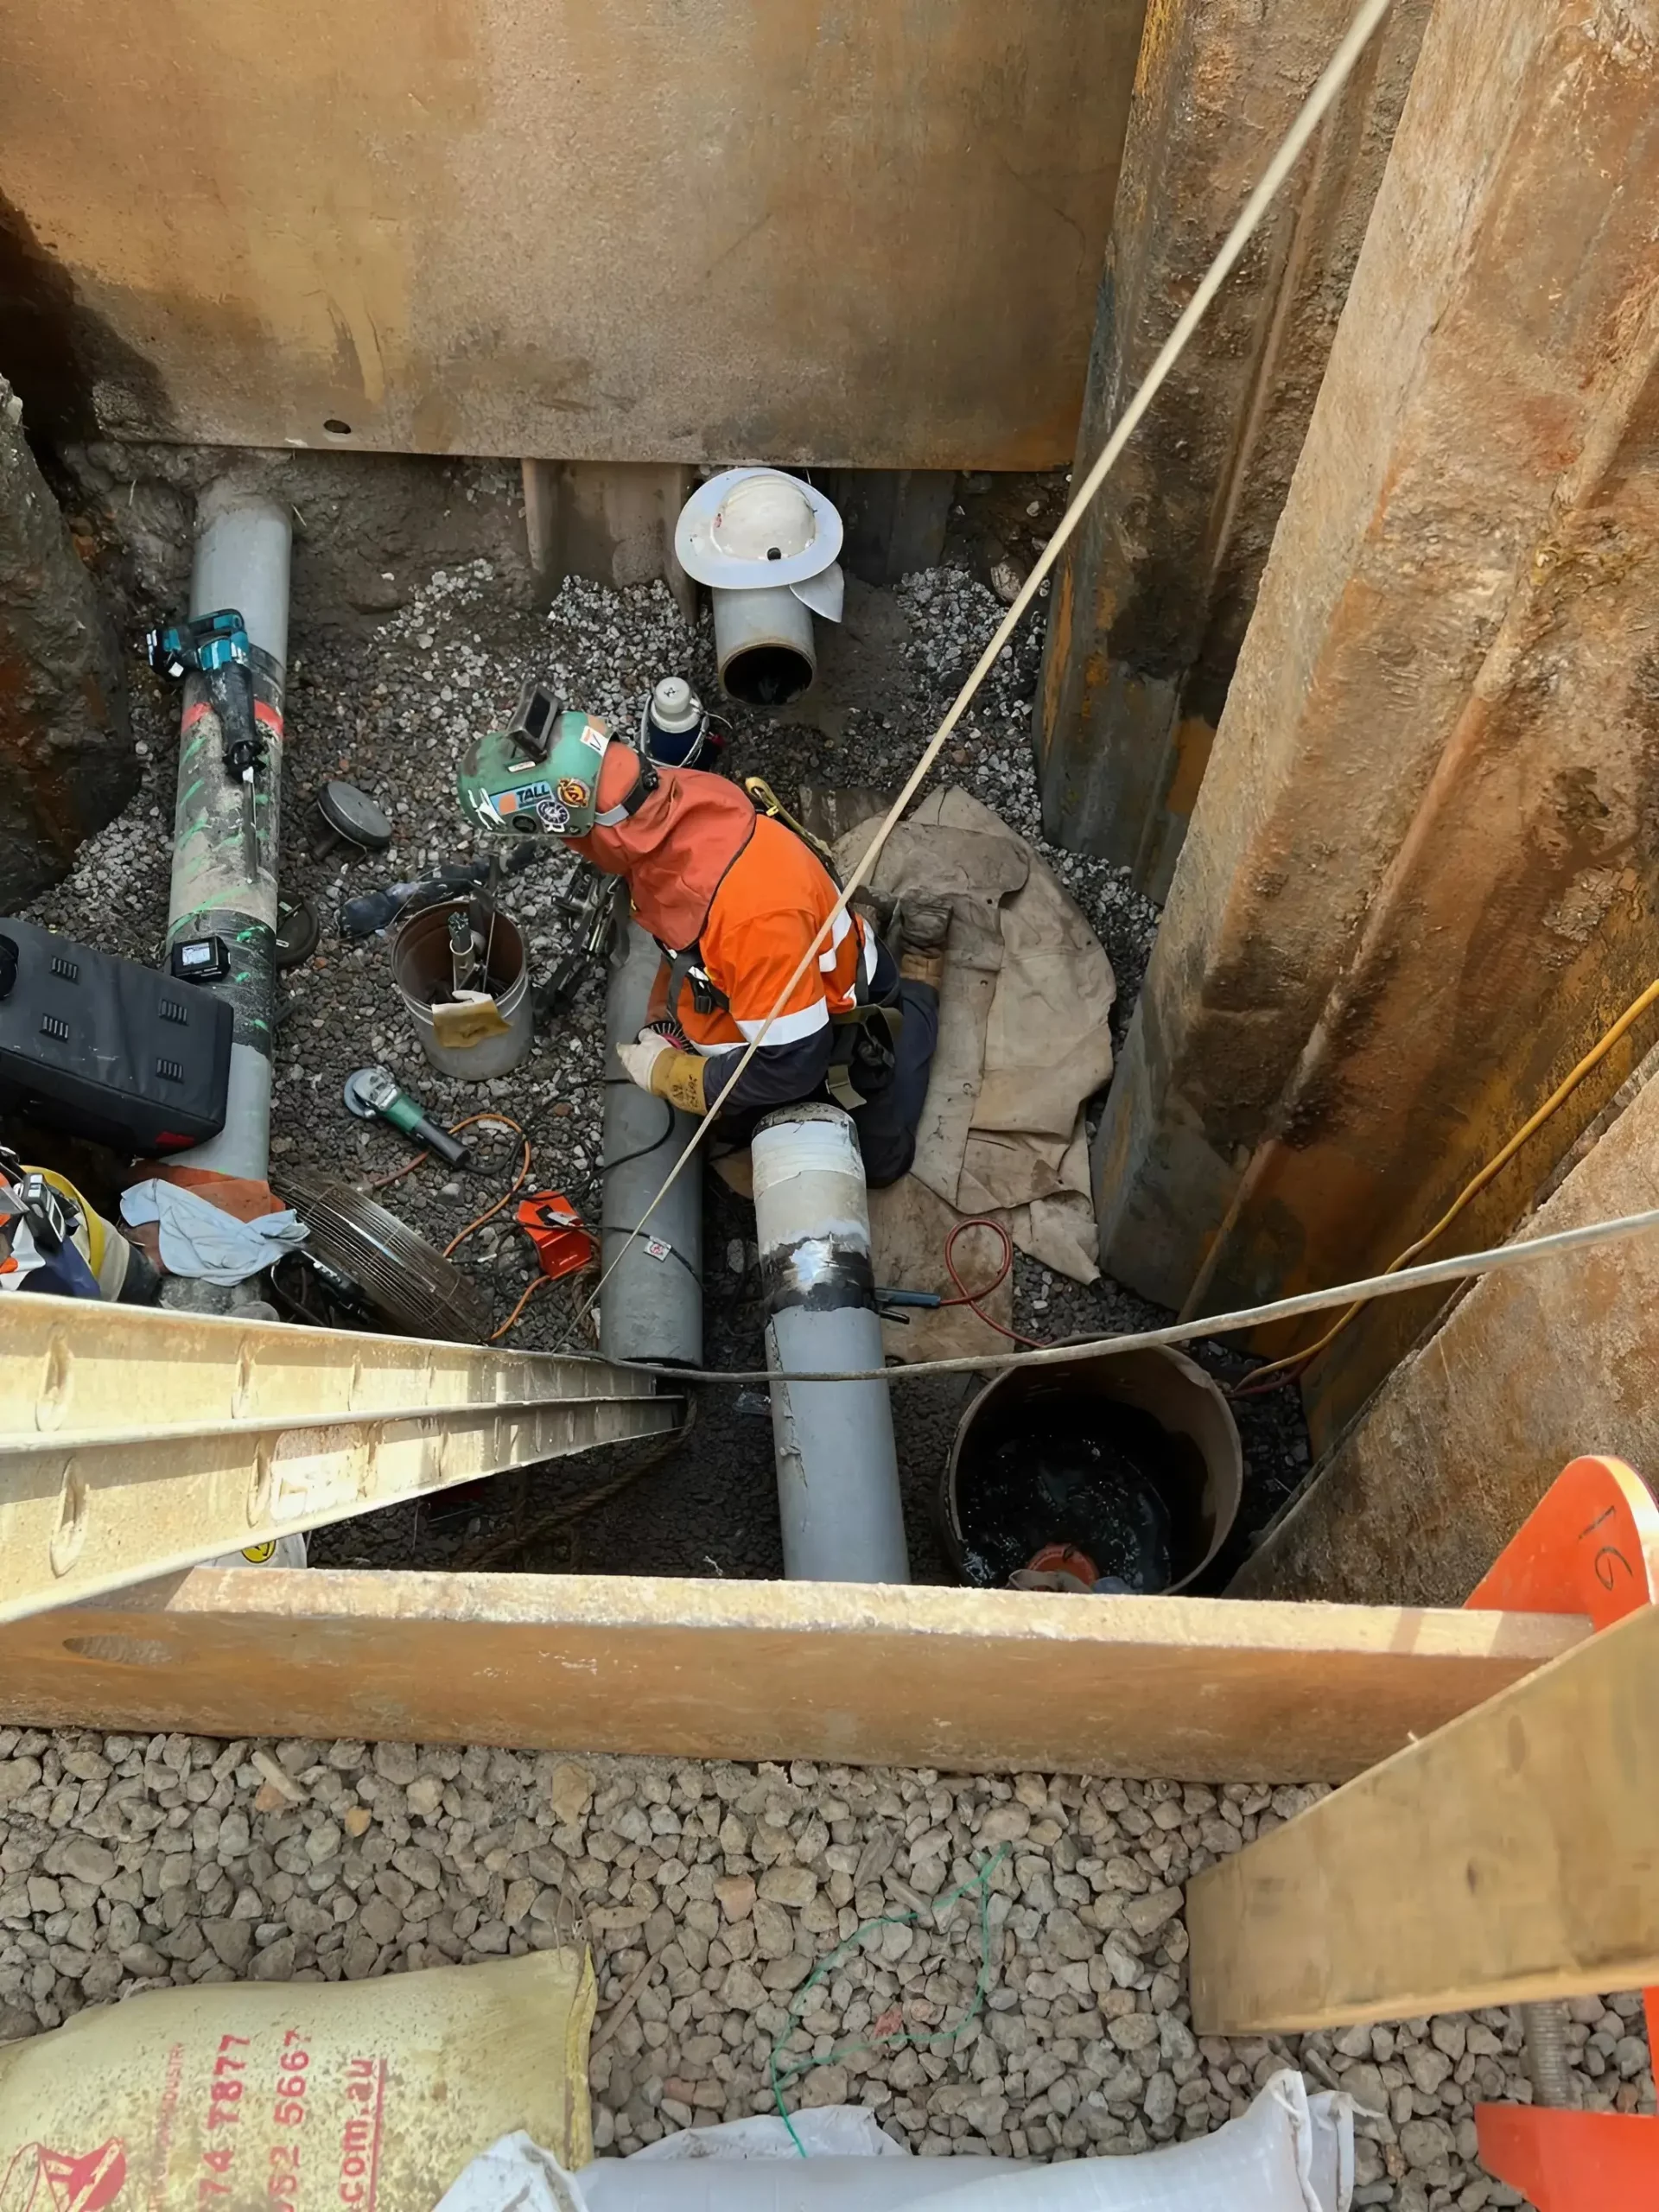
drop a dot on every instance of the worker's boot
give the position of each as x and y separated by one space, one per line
924 925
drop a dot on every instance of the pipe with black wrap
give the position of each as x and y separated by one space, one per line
226 832
837 1467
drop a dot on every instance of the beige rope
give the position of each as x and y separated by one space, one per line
1430 1276
1313 111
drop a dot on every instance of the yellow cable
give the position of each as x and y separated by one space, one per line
1473 1189
768 802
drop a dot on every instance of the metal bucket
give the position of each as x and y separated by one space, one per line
1155 1407
421 970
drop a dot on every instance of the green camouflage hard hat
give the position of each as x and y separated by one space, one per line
540 775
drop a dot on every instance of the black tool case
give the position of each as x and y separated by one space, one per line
106 1048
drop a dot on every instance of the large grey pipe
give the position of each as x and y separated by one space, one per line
243 542
652 1307
837 1467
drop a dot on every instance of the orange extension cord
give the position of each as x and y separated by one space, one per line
537 1282
971 1298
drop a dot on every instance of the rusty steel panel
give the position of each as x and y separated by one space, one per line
1155 590
66 762
1417 878
1468 1433
861 233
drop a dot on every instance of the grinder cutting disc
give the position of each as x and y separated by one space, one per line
410 1284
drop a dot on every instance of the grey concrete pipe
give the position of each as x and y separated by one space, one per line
837 1467
241 560
764 645
651 1307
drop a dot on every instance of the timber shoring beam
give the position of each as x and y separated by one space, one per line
1512 1856
135 1442
965 1680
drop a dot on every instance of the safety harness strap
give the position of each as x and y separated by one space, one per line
644 783
863 1050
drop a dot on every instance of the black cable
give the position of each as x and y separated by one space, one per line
644 1152
609 1166
616 1229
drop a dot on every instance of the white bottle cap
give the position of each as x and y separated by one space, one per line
675 707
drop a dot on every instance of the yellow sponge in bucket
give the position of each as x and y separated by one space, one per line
467 1020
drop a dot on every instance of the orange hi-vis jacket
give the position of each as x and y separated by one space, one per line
765 912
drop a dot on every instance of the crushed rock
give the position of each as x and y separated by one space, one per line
710 1893
390 710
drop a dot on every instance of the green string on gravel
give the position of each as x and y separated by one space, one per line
792 2069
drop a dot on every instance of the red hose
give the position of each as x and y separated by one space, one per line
971 1298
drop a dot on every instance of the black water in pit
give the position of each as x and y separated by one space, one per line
1086 1471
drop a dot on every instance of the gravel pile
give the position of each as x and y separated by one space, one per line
390 710
712 1894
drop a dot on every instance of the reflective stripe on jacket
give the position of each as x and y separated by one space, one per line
769 906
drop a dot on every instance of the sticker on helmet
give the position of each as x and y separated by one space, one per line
510 802
573 790
258 1555
596 739
552 814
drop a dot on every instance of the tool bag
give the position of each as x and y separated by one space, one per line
101 1047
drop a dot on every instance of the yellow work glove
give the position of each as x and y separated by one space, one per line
653 1063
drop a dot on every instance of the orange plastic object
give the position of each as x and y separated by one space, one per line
1572 2161
1591 1546
554 1227
1065 1559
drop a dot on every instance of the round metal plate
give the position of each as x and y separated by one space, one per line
411 1286
352 814
298 933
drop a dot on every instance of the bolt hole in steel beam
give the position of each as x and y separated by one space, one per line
53 1395
121 1650
165 1438
242 1389
259 1487
336 429
69 1537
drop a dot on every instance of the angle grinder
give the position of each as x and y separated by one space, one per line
375 1094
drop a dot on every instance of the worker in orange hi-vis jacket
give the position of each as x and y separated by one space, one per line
735 897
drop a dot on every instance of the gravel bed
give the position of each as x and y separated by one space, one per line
711 1893
390 711
390 708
